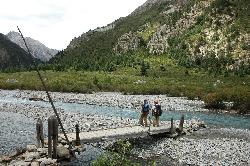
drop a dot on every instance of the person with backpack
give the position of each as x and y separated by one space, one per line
144 113
156 113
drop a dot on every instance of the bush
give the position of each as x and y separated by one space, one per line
144 68
214 101
241 101
118 154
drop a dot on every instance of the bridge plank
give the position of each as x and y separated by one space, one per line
124 132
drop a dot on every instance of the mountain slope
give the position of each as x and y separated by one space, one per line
11 55
213 35
38 50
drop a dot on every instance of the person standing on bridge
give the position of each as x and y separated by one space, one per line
144 113
156 112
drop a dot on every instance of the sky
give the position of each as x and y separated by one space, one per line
56 22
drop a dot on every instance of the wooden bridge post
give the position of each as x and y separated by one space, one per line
55 137
50 129
181 123
52 136
39 133
78 143
172 126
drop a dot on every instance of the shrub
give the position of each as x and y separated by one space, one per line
118 154
241 101
144 68
214 101
162 67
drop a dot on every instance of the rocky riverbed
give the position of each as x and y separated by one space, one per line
210 146
15 125
112 99
202 151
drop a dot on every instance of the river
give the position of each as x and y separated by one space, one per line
18 130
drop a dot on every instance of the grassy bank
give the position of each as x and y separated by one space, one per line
165 78
192 85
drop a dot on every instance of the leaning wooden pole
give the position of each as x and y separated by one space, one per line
45 88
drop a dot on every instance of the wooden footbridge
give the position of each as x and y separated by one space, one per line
75 140
116 133
122 132
78 138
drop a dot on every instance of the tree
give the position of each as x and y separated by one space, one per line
144 67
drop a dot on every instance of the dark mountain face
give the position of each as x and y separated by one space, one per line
11 55
37 49
194 33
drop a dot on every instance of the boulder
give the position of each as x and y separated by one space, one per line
46 161
46 142
42 151
35 163
5 159
17 152
79 149
19 163
63 142
31 155
63 152
31 148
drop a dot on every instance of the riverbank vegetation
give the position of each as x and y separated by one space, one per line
118 154
155 75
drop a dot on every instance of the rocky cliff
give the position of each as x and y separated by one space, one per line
147 5
207 29
195 33
38 50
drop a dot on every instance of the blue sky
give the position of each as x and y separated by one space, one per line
56 22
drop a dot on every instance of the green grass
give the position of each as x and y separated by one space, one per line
173 80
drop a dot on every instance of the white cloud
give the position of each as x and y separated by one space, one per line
56 22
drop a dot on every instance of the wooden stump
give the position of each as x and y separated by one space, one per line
78 142
181 123
39 133
172 126
52 137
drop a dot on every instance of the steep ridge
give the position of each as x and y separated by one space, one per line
12 56
212 34
147 5
38 50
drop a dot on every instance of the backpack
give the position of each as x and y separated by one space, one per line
145 107
158 110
